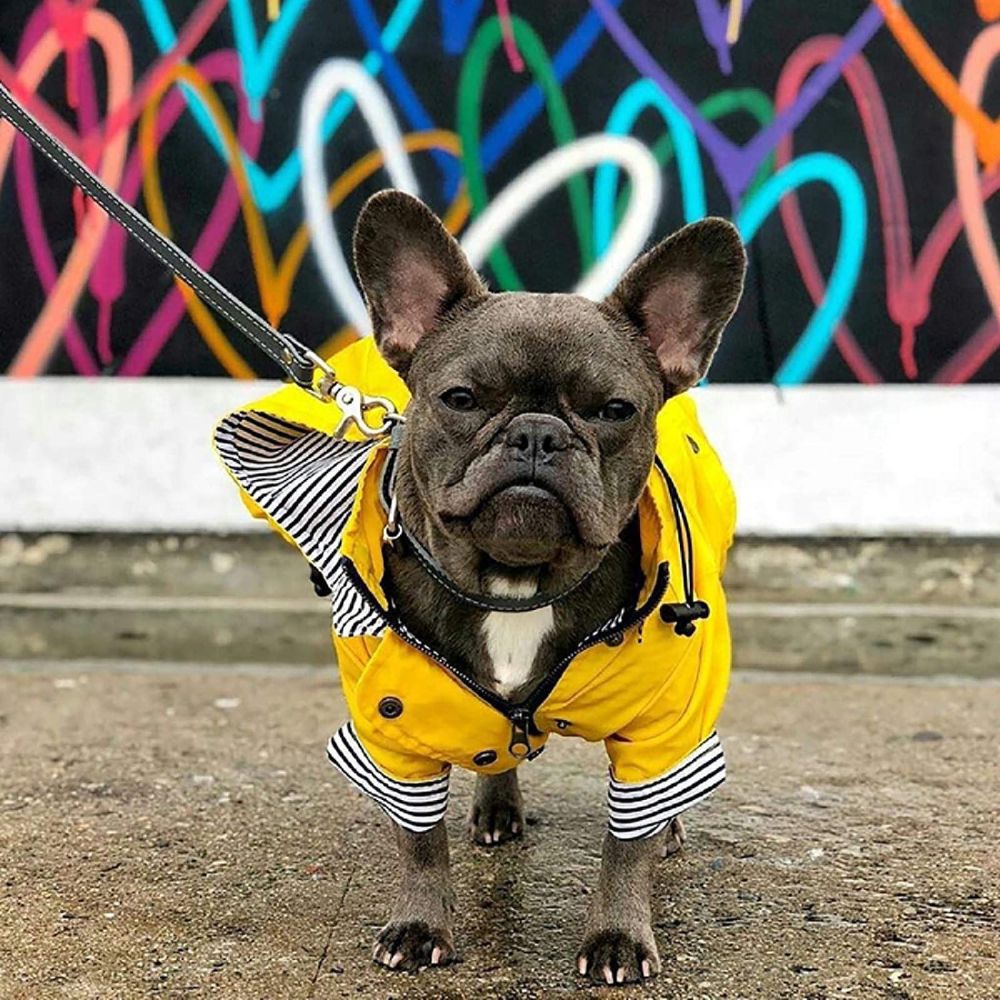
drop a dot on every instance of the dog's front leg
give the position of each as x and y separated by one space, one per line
618 945
419 931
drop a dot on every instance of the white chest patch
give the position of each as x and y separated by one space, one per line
513 638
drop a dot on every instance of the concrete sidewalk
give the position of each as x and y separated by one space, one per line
172 831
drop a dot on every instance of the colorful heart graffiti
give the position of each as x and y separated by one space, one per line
97 257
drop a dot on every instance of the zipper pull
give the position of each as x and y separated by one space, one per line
520 745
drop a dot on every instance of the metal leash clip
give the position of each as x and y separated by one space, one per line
299 363
353 404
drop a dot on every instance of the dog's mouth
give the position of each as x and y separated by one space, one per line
527 491
523 524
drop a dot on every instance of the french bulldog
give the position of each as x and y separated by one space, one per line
529 438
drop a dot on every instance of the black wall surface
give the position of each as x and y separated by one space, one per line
423 80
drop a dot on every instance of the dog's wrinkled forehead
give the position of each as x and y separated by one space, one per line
538 344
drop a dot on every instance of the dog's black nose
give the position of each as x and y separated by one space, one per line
536 438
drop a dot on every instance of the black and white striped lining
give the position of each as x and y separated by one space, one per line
306 481
642 809
414 805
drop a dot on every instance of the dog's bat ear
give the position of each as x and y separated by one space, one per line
681 294
411 270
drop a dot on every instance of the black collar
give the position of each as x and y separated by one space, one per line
682 614
436 571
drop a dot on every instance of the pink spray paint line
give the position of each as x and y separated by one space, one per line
29 202
217 67
27 188
909 282
971 356
124 113
70 23
974 353
859 78
108 277
976 67
509 42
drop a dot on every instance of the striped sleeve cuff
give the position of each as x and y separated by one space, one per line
414 805
643 809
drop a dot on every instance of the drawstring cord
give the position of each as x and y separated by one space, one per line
682 615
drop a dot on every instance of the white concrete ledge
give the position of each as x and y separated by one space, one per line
134 455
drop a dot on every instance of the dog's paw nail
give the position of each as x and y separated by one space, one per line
515 828
435 956
395 960
581 965
646 971
608 978
620 977
496 836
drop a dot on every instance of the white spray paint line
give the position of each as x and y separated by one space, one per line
507 208
334 77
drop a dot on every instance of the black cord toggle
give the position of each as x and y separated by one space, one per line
684 615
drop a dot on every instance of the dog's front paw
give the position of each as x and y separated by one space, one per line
411 945
495 823
614 956
497 813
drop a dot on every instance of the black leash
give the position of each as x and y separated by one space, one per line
298 362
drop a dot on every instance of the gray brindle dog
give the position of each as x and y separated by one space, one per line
497 379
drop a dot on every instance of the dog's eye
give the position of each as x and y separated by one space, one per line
459 398
617 410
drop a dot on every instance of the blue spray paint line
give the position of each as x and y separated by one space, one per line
457 19
419 119
815 340
633 101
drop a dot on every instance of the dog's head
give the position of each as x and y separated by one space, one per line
531 430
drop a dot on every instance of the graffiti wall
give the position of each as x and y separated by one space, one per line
854 144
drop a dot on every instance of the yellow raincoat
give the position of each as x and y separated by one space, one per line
652 695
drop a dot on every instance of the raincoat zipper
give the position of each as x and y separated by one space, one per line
522 715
